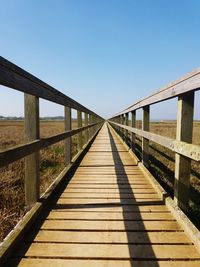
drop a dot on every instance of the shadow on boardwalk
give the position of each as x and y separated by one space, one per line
147 248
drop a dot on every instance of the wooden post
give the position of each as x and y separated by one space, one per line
183 164
126 131
90 129
145 142
31 130
68 127
121 122
86 131
133 124
80 141
93 128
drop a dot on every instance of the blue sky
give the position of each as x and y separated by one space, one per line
104 54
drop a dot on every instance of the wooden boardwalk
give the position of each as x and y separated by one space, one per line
108 215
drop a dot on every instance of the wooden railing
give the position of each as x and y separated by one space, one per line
16 78
185 151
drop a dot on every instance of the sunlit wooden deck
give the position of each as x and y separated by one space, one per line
108 215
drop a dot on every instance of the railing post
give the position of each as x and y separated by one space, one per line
133 124
145 142
68 126
126 131
86 131
31 130
80 141
123 132
90 129
183 164
93 128
121 122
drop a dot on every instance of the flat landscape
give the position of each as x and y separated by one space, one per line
12 206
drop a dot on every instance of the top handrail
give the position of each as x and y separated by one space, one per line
16 78
188 82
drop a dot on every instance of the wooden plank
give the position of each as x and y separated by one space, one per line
112 208
110 237
110 216
108 195
111 225
111 201
109 190
97 263
110 186
183 164
110 251
68 127
31 128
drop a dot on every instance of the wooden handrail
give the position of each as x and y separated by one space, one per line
184 89
16 78
10 155
188 83
188 150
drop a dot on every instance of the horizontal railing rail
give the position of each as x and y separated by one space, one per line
16 78
183 89
188 83
188 150
15 153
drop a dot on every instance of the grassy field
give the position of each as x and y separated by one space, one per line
12 206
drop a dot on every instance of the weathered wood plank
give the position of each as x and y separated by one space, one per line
111 225
110 251
97 263
110 216
111 237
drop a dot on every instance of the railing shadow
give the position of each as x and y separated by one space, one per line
119 164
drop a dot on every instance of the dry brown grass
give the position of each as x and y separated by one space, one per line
12 204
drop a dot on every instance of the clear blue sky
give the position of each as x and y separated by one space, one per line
106 54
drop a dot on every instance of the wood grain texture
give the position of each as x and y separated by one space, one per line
14 77
183 148
108 215
31 123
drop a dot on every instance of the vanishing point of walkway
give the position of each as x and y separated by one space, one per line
108 215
